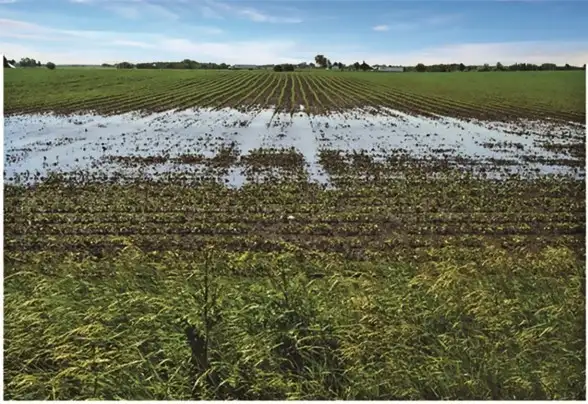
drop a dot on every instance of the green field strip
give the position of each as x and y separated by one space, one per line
465 109
315 105
198 99
296 98
394 101
225 98
251 86
300 87
344 88
109 103
341 102
259 100
282 100
324 93
166 100
254 93
189 99
273 97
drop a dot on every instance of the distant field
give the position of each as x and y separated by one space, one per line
491 96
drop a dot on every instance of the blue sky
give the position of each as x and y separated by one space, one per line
278 31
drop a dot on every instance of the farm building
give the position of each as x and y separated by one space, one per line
236 67
397 69
7 64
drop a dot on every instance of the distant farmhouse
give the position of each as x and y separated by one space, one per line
8 65
242 67
397 69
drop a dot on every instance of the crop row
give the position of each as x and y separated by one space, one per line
271 217
351 246
286 92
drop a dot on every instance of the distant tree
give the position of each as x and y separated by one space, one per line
584 67
499 67
364 66
567 66
321 60
485 68
125 65
421 68
28 62
288 67
50 65
461 67
311 65
356 65
278 68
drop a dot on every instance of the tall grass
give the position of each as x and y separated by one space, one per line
213 325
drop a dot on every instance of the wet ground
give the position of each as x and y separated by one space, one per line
183 142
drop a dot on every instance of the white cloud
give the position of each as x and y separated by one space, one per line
251 13
575 53
132 9
208 12
412 22
381 28
95 47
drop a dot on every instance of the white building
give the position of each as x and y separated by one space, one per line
397 69
244 67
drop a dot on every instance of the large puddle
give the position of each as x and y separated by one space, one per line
36 145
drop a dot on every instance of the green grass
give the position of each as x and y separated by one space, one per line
564 91
257 326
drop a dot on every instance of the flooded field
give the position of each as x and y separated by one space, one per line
187 142
297 236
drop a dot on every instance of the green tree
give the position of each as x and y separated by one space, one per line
364 66
28 62
461 67
421 68
278 68
356 65
50 65
321 60
499 67
125 65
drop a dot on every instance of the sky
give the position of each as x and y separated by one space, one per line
280 31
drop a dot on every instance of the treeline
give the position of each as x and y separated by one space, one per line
184 64
27 62
454 67
286 67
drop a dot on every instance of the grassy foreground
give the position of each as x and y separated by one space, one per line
492 96
463 289
260 326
